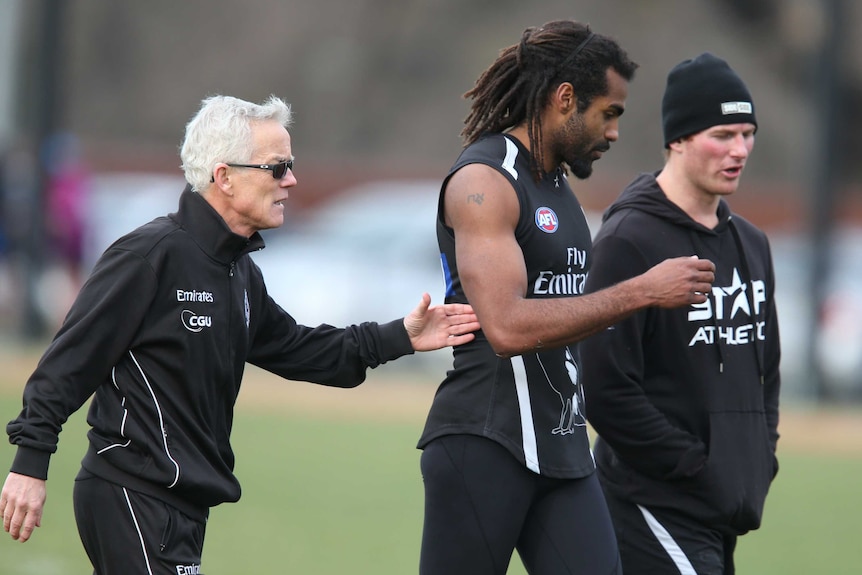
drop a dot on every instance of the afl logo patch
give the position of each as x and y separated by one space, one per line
546 220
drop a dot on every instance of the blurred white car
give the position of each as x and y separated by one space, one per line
368 254
371 251
117 203
837 341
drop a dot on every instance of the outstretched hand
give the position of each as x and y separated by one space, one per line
439 326
21 503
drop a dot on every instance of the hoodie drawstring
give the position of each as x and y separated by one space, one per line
746 272
699 249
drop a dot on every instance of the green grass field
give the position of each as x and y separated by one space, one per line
326 494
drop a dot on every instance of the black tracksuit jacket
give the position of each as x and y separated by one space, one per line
160 333
685 400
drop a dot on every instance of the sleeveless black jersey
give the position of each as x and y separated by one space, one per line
531 404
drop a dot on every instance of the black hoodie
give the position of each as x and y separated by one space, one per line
685 401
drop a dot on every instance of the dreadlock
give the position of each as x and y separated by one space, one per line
516 87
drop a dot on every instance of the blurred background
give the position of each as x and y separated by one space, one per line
95 94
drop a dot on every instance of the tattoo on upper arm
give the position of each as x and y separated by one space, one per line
476 199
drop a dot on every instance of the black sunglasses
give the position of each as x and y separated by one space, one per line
278 170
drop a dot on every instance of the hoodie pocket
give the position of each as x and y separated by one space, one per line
738 470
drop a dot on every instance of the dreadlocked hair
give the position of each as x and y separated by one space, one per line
515 88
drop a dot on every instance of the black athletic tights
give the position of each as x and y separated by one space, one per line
481 504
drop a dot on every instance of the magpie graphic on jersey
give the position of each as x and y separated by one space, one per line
247 308
571 398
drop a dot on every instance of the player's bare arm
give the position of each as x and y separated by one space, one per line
494 276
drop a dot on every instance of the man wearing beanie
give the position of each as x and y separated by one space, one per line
685 401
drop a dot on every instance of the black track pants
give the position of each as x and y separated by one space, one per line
481 504
128 533
659 542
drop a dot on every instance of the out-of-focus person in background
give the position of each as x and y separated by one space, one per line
17 185
161 332
506 458
68 182
685 401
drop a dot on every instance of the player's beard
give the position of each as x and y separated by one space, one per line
576 148
582 168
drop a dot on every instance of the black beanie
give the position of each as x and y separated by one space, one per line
701 93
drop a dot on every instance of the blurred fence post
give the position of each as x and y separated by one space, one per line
827 95
46 102
10 18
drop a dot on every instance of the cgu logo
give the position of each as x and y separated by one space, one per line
195 323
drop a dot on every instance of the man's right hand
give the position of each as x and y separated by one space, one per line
681 281
21 503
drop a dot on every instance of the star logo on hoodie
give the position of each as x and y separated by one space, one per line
727 302
740 302
720 310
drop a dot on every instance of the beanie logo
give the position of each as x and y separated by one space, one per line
736 108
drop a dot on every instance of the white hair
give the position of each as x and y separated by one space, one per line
221 132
